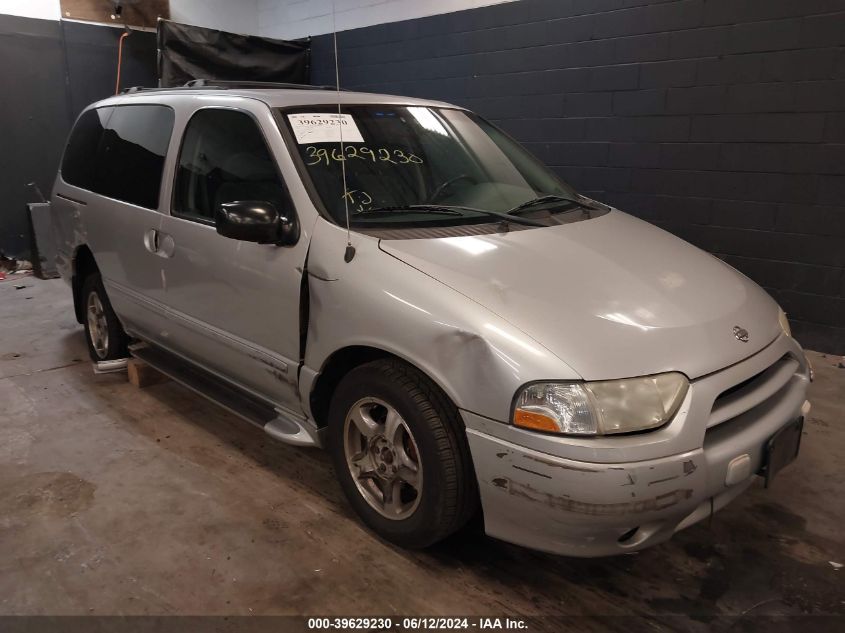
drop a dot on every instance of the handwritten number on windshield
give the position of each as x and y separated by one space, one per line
317 154
379 154
384 154
407 158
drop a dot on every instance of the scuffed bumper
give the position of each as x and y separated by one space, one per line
599 507
581 509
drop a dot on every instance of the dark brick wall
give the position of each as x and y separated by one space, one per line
722 121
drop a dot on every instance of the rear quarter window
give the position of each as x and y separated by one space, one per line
79 162
119 152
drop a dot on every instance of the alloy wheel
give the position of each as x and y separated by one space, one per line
383 459
98 328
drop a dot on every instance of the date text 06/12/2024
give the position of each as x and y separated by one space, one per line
416 623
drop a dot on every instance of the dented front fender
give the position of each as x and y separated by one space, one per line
376 300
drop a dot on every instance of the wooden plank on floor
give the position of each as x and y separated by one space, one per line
142 375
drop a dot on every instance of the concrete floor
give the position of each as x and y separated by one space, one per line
115 500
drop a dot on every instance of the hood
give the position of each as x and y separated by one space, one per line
612 297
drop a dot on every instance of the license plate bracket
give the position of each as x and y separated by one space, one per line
782 449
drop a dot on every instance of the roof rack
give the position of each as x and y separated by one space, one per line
223 83
218 84
134 89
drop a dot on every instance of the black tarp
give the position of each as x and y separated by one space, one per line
188 52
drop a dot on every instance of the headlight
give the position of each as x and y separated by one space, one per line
784 322
600 408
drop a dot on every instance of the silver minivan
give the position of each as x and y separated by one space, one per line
399 281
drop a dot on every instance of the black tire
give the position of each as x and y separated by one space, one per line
116 341
449 496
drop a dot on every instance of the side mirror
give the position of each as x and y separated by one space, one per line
255 221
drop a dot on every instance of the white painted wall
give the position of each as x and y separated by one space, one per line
285 19
289 19
41 9
236 16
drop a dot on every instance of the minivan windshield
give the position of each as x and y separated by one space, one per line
422 165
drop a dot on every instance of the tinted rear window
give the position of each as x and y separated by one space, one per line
132 152
119 152
78 165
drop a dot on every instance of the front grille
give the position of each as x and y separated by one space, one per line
752 392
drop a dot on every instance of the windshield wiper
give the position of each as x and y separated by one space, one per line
568 202
507 217
448 210
417 208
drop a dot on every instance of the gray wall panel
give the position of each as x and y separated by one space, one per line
34 115
50 71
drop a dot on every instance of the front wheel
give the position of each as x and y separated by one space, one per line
103 332
400 452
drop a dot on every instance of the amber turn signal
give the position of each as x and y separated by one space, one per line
534 421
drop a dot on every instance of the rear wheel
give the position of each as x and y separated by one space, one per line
400 452
103 332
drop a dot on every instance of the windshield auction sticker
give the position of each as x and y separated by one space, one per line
321 127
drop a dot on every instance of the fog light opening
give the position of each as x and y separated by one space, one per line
628 535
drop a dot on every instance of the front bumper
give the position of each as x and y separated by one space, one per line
545 493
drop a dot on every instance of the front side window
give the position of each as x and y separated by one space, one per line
131 157
224 158
421 165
